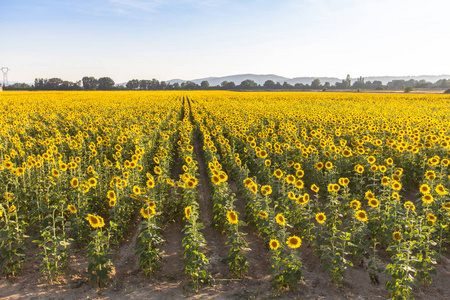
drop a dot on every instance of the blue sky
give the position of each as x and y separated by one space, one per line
189 39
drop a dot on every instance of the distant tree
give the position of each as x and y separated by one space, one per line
299 86
359 83
269 84
163 85
176 86
133 84
204 85
442 83
423 84
248 84
316 84
327 85
447 91
348 82
105 83
89 83
408 89
18 87
287 86
278 85
190 85
228 85
54 84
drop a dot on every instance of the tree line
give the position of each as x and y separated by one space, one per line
107 84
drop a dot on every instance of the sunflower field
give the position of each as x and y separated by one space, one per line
356 177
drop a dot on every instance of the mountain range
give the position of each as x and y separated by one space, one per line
260 79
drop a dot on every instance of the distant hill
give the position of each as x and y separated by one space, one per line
260 79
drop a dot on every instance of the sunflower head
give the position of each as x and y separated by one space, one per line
355 204
294 242
280 220
321 218
274 244
72 209
263 214
397 236
187 212
232 217
93 221
361 215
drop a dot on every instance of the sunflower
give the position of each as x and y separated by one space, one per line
191 183
263 214
441 190
294 242
369 195
150 184
430 175
215 179
20 171
112 202
267 162
93 221
397 236
374 202
74 182
355 204
336 187
223 176
431 219
409 205
247 181
136 190
290 179
427 199
330 187
300 173
396 185
344 181
280 220
446 206
361 215
232 217
291 195
55 173
299 184
147 212
395 196
274 244
187 212
320 217
8 165
425 189
253 188
12 208
389 161
157 170
315 188
266 190
72 209
278 173
111 195
328 165
92 182
371 160
319 165
385 181
359 169
101 222
374 168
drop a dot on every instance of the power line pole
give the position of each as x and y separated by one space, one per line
5 75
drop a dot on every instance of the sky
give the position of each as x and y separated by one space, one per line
190 39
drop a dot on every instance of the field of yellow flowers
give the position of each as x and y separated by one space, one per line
355 180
